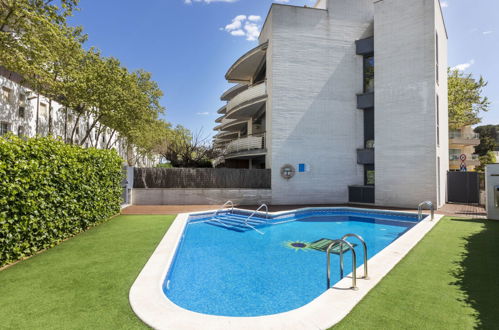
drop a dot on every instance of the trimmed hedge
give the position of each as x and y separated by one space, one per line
50 191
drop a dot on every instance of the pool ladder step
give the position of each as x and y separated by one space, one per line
238 222
339 244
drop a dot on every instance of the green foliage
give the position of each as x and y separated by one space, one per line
488 138
51 191
465 99
488 158
38 44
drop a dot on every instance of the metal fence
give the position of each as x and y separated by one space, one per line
201 178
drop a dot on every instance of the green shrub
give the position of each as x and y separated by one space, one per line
50 191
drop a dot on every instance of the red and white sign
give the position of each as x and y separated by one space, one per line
462 157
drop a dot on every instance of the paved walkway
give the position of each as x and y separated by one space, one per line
458 210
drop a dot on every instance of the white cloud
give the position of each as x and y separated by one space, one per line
238 33
254 18
203 113
189 2
444 4
464 66
487 32
244 26
236 24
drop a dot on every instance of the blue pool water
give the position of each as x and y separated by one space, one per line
220 271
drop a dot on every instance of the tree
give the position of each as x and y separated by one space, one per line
488 138
465 99
488 158
186 149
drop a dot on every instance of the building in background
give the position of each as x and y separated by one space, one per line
344 102
463 142
26 113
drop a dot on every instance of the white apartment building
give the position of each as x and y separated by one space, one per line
344 102
26 113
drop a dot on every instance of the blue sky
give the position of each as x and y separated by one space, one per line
188 45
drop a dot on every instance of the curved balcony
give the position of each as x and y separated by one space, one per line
222 109
233 91
254 145
245 68
233 125
247 103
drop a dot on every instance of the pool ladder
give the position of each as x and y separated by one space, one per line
429 204
342 242
233 221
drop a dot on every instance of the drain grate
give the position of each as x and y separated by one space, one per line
323 243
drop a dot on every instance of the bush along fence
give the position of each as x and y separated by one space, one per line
50 191
201 178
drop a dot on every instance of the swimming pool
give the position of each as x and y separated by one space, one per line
207 275
227 271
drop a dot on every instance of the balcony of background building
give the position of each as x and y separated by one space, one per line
247 66
233 91
247 103
471 160
464 139
222 110
249 145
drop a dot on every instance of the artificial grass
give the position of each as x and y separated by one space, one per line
84 282
448 281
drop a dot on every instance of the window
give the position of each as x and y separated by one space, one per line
368 74
44 110
20 131
4 128
369 174
22 98
438 121
7 94
436 57
103 138
22 112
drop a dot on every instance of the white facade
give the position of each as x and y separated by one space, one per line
26 113
393 152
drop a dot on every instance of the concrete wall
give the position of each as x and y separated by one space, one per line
200 196
314 77
405 103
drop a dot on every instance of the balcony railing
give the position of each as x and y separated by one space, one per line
253 93
459 135
456 157
246 144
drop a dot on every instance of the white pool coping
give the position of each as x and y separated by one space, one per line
155 309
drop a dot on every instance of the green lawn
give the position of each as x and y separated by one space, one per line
449 281
84 282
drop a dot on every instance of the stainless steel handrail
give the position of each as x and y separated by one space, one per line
420 209
256 211
354 262
223 207
366 275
